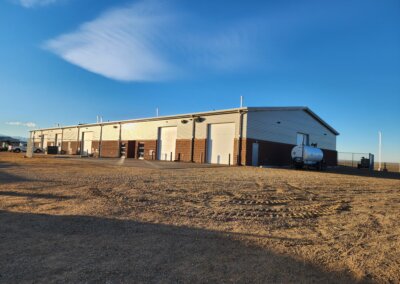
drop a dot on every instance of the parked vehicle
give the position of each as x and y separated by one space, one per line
22 147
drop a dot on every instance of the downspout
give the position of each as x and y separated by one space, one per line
101 139
77 142
119 140
62 139
193 140
239 162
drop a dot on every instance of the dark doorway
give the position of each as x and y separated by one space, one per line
131 149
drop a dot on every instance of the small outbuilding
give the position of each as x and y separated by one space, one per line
243 136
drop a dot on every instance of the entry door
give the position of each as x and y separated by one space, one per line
87 138
255 155
220 143
167 143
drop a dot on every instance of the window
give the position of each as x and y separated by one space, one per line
302 139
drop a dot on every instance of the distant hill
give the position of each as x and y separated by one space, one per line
20 138
12 138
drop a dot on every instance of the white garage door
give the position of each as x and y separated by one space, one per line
87 138
167 143
220 143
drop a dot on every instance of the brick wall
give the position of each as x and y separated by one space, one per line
240 160
279 154
72 150
110 149
150 149
200 150
95 148
183 150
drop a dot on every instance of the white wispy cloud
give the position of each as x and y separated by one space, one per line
148 41
19 123
33 3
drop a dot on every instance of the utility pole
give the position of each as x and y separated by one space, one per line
380 150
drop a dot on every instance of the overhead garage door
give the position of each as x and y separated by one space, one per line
167 143
220 143
87 138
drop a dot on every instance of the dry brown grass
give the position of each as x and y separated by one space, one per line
64 220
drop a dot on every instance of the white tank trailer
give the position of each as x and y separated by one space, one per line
308 157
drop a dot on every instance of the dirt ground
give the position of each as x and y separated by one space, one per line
71 220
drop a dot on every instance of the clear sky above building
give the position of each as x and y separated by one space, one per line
67 61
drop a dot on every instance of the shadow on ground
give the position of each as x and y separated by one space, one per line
364 173
47 248
33 195
11 178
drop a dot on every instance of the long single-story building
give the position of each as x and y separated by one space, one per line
241 136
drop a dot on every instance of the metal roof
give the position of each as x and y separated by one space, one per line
207 113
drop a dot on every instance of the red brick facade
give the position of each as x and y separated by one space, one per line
200 151
110 149
183 150
67 145
270 153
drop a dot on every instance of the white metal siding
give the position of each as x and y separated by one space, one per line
220 143
167 143
95 130
70 134
110 132
202 128
283 126
147 130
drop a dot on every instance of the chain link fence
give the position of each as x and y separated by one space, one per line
365 160
356 160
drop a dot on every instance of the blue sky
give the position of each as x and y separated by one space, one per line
66 61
